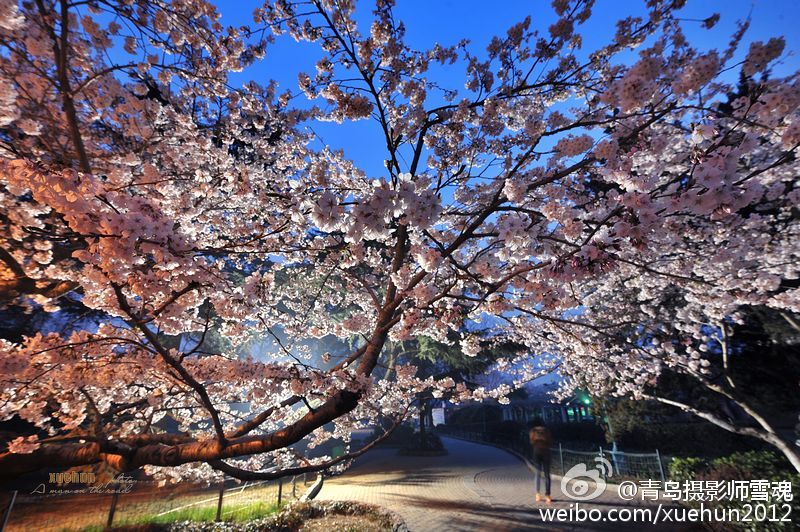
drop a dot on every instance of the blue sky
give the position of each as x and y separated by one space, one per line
448 21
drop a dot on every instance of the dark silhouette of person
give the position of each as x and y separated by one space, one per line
541 441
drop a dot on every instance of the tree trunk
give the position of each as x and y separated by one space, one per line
127 458
788 449
423 442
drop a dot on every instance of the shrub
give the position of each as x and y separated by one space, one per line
688 439
683 469
401 436
432 445
750 465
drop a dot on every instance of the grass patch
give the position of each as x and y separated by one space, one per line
315 516
231 513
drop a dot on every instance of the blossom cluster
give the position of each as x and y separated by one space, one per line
608 217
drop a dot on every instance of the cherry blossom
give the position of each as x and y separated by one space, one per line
611 212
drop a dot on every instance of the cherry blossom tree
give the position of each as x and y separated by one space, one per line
553 202
727 246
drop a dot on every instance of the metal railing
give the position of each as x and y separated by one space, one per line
130 503
617 464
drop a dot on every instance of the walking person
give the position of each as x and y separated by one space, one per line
541 441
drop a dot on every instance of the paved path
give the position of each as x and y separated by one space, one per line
475 487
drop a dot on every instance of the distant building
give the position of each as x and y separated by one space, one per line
574 410
539 403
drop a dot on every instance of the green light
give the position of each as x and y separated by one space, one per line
587 401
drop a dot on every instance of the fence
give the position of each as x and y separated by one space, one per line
617 464
82 508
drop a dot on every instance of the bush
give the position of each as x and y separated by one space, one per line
433 445
401 436
682 469
737 466
753 464
687 439
750 465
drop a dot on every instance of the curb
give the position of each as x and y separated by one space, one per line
313 491
522 457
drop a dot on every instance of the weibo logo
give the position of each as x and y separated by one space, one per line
576 484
